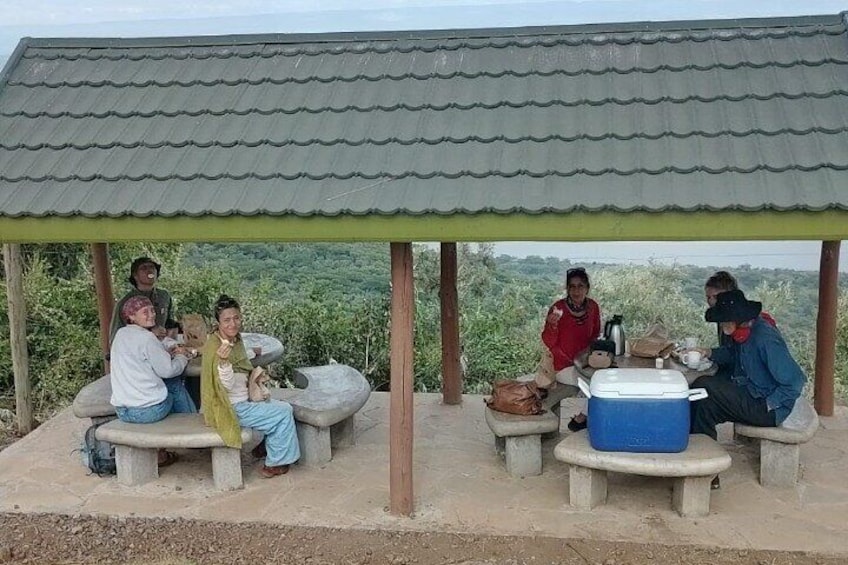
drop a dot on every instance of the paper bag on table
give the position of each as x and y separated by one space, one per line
654 343
195 331
257 385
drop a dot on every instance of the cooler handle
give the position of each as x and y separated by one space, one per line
584 387
697 394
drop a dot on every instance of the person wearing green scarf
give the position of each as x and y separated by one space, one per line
224 396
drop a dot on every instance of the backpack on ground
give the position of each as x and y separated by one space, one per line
98 456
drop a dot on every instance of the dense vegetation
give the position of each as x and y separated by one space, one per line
332 301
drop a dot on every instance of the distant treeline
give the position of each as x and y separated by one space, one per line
356 268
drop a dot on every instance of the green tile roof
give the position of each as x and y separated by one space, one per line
648 122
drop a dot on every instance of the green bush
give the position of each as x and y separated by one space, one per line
316 326
651 295
841 360
500 338
63 337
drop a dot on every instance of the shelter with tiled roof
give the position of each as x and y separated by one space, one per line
699 130
600 132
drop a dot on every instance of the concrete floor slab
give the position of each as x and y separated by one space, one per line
460 485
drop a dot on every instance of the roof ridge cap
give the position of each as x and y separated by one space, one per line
425 34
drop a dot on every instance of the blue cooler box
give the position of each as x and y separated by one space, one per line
640 410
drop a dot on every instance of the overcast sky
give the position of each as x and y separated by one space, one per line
139 18
454 12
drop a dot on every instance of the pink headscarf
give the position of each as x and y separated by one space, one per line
133 305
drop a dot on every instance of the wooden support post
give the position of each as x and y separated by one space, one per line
105 298
400 411
826 327
451 369
17 335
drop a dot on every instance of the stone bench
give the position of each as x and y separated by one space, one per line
323 407
324 404
92 401
519 438
692 470
780 447
137 447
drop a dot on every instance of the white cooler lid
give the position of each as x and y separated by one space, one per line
639 383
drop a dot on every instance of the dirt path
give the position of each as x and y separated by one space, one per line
46 538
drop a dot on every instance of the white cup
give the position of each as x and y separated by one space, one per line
690 343
692 359
555 314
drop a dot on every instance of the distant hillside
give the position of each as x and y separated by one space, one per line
748 277
362 268
342 267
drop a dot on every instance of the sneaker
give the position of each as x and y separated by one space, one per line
576 426
715 484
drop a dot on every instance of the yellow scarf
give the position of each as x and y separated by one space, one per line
217 410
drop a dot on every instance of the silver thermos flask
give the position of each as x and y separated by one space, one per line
614 331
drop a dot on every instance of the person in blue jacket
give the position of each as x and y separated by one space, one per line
757 381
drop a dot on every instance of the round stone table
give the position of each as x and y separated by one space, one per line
633 362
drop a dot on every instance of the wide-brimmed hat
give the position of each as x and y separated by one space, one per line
133 305
143 261
732 306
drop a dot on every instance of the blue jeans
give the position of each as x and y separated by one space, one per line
275 419
177 401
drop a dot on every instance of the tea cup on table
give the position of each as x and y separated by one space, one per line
692 358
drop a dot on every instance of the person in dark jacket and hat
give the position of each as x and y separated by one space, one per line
144 274
722 281
758 381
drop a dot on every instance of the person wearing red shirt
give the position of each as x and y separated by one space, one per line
571 325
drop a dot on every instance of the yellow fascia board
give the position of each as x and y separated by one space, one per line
578 226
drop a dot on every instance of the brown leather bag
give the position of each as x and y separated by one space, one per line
516 397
